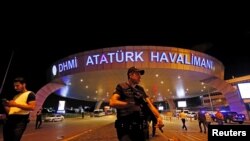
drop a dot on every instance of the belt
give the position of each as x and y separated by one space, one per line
131 125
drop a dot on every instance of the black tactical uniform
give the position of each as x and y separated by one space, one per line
131 123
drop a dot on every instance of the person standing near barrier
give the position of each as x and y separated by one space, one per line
219 117
38 119
82 112
202 120
208 119
18 110
131 102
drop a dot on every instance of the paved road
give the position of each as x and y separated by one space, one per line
102 129
67 129
172 130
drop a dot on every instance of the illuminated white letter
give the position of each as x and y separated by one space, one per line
154 56
180 59
103 59
197 61
111 57
138 56
89 61
203 63
172 57
129 55
187 59
117 56
164 57
72 64
60 66
96 58
209 64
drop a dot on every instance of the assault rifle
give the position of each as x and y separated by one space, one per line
139 98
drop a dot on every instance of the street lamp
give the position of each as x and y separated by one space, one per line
209 95
210 100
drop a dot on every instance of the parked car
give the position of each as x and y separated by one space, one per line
48 110
192 115
98 113
54 117
230 116
233 117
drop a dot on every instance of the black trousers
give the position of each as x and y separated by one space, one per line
203 123
14 127
184 123
131 135
38 122
127 131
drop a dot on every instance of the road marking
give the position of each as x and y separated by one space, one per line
77 135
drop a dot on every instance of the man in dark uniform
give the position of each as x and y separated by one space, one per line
202 120
131 101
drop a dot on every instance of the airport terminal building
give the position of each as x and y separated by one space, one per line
170 74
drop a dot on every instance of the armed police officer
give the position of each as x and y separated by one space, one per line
131 103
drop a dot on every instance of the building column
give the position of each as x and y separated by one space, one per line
42 94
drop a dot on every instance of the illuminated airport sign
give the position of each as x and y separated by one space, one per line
117 57
65 66
162 55
155 56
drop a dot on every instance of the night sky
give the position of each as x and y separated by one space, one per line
36 49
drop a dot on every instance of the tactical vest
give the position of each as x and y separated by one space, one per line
127 94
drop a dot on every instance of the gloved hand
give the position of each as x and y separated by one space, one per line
160 124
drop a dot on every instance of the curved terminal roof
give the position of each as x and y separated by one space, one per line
170 72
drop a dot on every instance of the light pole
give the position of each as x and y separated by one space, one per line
211 104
